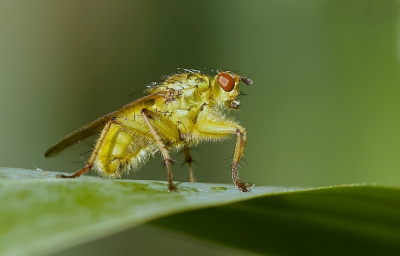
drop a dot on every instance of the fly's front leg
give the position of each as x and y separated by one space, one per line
219 130
241 138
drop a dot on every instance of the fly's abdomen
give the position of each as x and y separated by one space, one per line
113 154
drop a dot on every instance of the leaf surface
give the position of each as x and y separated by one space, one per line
42 214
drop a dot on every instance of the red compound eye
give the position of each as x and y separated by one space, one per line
226 82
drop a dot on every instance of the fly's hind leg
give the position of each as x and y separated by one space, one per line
189 160
90 162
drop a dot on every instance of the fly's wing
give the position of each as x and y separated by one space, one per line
83 133
92 128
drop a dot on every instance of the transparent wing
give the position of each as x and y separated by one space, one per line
93 128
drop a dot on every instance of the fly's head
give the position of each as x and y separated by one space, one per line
226 88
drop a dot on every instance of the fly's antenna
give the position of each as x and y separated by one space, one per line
246 79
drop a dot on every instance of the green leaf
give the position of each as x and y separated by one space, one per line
41 214
342 220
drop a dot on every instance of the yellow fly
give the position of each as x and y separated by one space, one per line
179 112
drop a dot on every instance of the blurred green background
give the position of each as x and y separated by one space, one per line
324 108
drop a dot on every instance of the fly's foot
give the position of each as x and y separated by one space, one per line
172 188
245 186
65 176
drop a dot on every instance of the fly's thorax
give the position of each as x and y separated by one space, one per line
180 82
181 91
184 109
